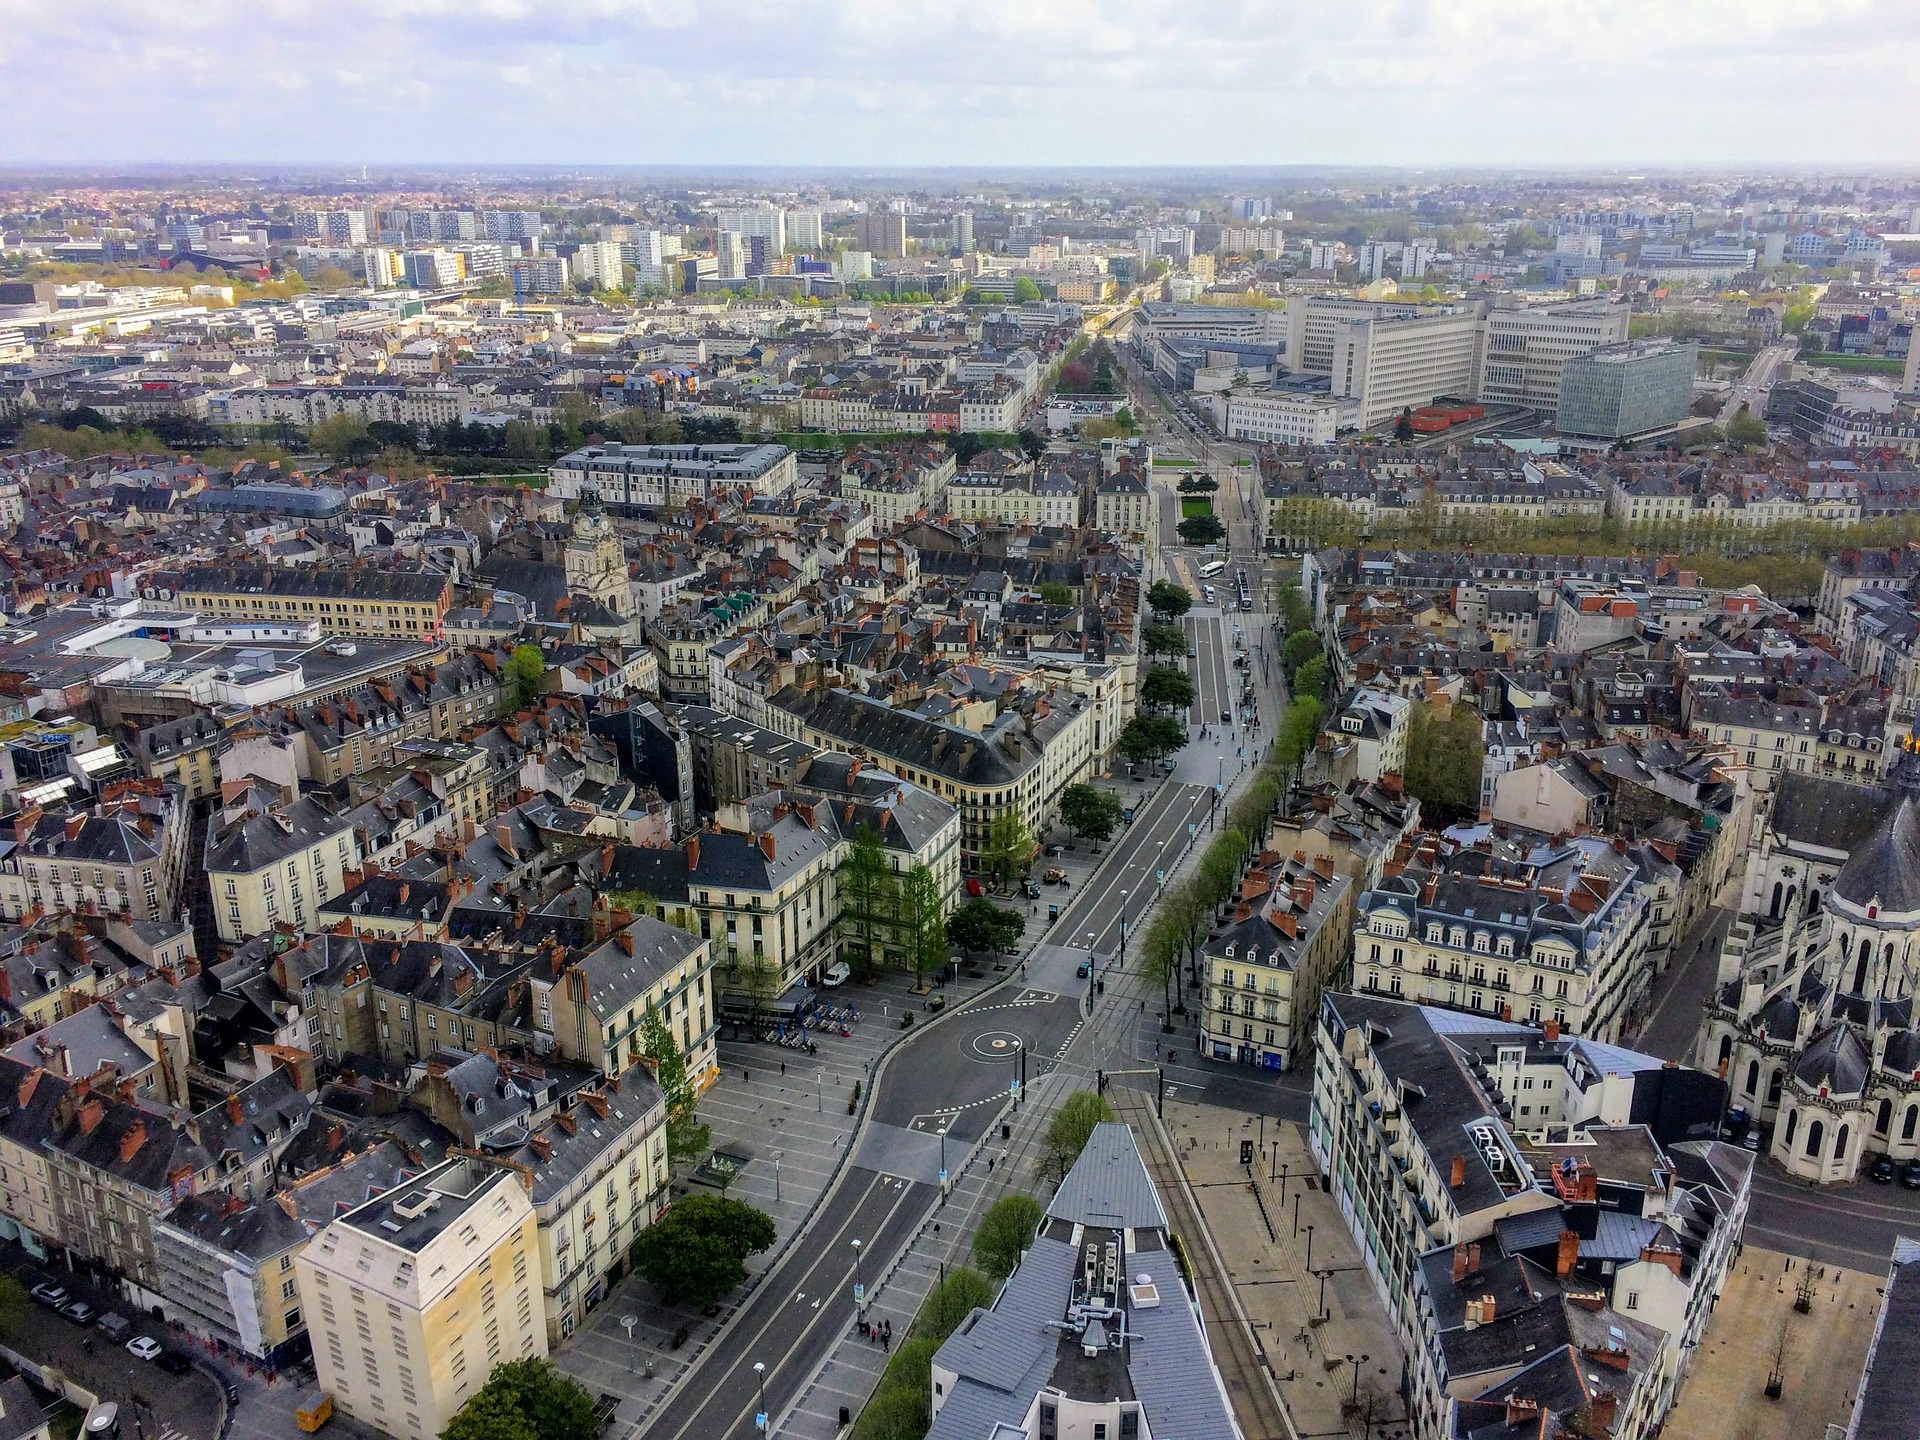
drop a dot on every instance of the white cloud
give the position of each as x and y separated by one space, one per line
1407 82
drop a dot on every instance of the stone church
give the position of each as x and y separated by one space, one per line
1813 1024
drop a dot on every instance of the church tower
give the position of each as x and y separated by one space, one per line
596 560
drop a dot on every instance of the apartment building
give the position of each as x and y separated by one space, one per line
894 484
1124 504
1769 738
1557 934
125 856
595 1003
1516 1222
1287 942
185 752
1280 417
226 1271
349 600
1018 763
670 476
1038 499
1374 726
414 1296
1524 349
269 860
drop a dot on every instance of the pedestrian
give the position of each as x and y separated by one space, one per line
889 1329
989 1164
783 1067
746 1075
886 1340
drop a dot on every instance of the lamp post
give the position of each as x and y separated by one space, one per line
1123 929
1354 1398
1090 969
859 1290
1309 1249
776 1175
760 1377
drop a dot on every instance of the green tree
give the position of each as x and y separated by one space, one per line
522 679
1164 640
1165 688
923 927
756 977
1124 418
342 437
1025 290
1009 848
1150 737
1004 1233
1202 530
525 1400
1198 485
1444 759
1311 678
950 1302
687 1138
867 893
1069 1129
1747 430
1168 599
1301 646
978 925
1403 427
1160 955
900 1407
1091 814
1298 727
1055 593
696 1252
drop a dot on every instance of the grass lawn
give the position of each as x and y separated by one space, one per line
1177 463
1861 364
1192 505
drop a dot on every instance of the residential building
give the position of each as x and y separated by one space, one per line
1538 1250
226 1270
1287 942
1124 504
346 600
670 476
1374 724
1092 1334
414 1296
1883 1400
1282 417
270 860
125 856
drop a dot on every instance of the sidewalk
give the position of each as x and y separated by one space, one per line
1270 1271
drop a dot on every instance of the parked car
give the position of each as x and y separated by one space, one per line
51 1294
1191 652
1031 889
173 1362
1751 1140
1882 1171
836 974
79 1312
143 1347
1910 1175
1055 875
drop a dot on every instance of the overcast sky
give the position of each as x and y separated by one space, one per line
987 82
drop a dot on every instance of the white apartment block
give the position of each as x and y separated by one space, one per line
600 262
763 220
415 1296
1278 418
1388 357
1523 350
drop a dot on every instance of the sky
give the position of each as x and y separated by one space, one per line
1575 83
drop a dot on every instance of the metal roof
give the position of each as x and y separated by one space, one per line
1108 1184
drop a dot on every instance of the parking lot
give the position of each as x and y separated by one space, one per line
159 1406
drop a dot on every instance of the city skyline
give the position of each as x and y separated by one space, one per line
1627 84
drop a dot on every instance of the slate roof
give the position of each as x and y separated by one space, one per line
1828 814
1109 1180
1836 1059
1885 868
254 841
1885 1409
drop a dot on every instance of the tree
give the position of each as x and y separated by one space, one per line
978 925
1747 430
341 436
1164 640
1055 593
1025 290
1150 737
1091 814
1009 847
950 1302
1004 1233
1160 955
332 277
867 893
1298 727
1201 530
1403 427
687 1138
1311 678
900 1407
923 927
1301 646
1198 485
525 1400
756 977
1168 599
1165 688
1069 1129
523 678
1123 417
696 1252
1444 759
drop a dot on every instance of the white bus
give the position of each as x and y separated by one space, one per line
1212 568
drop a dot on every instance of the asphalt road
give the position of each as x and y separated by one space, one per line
1751 388
943 1086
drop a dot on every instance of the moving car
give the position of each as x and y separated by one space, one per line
1082 970
836 974
1191 652
143 1347
1226 717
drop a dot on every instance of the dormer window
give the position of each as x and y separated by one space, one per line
1482 941
1457 937
1433 934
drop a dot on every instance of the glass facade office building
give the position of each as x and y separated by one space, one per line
1619 392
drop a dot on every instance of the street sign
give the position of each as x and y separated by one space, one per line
1191 829
943 1176
859 1293
1246 1152
760 1420
1160 877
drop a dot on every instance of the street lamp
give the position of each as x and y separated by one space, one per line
760 1376
859 1290
1123 929
1090 969
1309 1249
1355 1397
776 1176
